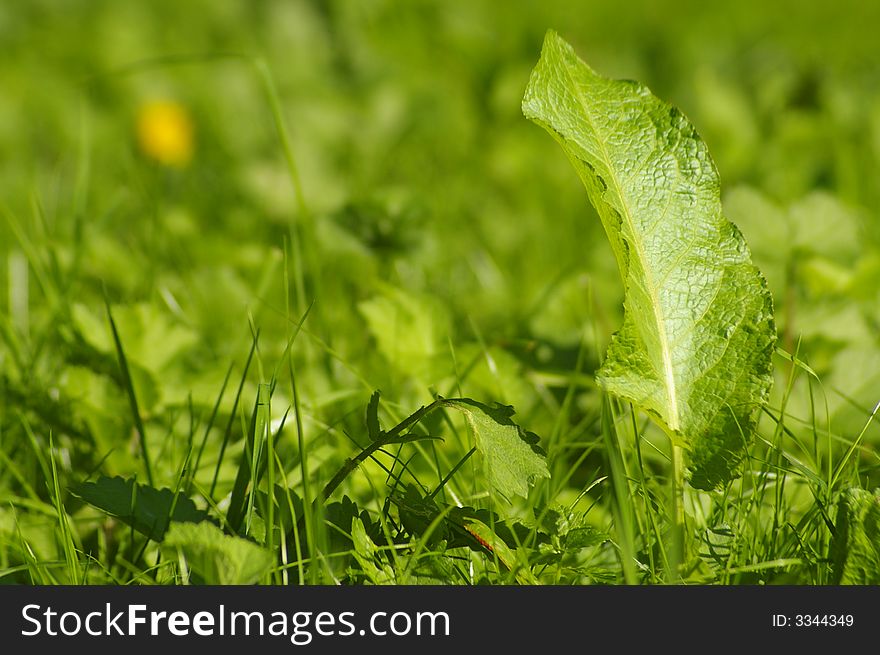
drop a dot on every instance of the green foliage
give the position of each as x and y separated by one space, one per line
407 329
694 350
499 548
856 546
215 558
148 510
365 552
365 207
513 459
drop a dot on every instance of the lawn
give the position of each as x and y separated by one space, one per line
301 293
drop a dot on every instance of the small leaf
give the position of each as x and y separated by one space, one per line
408 329
216 558
513 461
418 515
146 509
373 428
153 341
856 545
366 553
288 506
695 347
506 555
585 537
338 517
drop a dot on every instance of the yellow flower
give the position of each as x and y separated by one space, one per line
165 132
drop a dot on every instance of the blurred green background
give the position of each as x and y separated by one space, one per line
442 241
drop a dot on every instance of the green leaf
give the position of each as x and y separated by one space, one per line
216 558
419 514
147 509
506 555
695 347
513 461
366 553
408 329
856 545
152 340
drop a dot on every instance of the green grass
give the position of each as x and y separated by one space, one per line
367 209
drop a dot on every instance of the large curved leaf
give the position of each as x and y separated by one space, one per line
695 346
855 550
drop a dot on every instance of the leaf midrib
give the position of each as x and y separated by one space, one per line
668 374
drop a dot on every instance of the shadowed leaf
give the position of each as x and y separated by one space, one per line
147 509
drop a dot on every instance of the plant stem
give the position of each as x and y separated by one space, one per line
347 468
388 438
677 546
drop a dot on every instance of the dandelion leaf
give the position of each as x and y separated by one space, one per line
856 544
695 347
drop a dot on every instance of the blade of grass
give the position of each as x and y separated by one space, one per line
66 535
246 467
132 396
227 433
210 424
622 505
